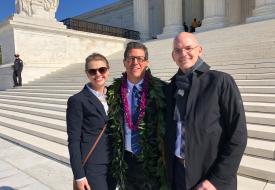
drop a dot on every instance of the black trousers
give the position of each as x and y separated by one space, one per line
179 175
17 75
135 174
99 177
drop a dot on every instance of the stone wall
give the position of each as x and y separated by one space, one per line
45 47
118 14
121 14
6 80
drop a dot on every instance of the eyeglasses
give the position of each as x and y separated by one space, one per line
132 59
187 50
101 70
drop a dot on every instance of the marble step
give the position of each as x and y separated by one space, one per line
54 83
43 146
33 94
39 105
35 130
257 167
244 65
260 118
34 99
246 48
259 107
238 56
270 82
46 91
261 131
249 70
34 119
257 89
63 79
265 98
249 183
254 76
34 111
261 148
63 87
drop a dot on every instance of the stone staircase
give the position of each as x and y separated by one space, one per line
34 115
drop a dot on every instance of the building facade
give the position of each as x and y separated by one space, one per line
164 18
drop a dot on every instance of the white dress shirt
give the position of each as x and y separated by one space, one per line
101 97
179 138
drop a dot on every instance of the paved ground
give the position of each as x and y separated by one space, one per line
22 169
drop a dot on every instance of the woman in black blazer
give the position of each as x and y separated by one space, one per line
86 116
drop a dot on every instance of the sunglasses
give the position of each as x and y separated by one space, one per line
101 70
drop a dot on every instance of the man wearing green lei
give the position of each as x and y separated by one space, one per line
136 122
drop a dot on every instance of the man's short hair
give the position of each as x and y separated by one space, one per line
16 55
95 57
135 45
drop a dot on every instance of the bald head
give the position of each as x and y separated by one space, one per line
186 50
186 35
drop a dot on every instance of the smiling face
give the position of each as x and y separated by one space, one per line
186 50
98 73
135 64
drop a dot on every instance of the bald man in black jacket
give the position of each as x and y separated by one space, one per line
206 133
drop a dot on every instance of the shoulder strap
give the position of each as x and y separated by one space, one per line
94 145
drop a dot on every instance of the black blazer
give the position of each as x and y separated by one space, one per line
215 129
85 119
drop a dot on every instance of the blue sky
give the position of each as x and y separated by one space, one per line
67 8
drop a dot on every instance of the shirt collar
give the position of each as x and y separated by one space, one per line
97 94
131 85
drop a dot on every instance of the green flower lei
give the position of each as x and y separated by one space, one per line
152 153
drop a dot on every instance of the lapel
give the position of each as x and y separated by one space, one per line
195 86
95 101
171 102
171 93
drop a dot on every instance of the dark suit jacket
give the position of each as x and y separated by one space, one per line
215 129
85 119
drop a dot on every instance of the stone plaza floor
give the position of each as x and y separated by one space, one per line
22 169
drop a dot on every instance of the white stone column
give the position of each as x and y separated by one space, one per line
141 18
193 9
247 8
214 15
172 18
233 12
264 9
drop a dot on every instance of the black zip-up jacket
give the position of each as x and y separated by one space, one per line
215 129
